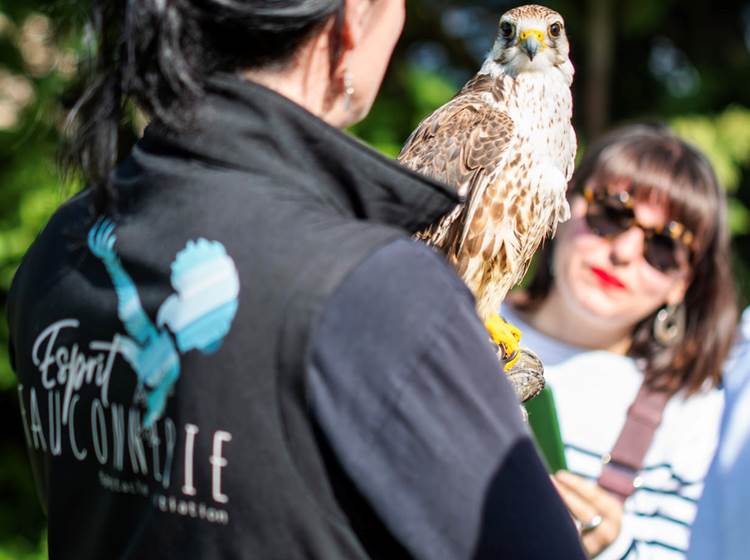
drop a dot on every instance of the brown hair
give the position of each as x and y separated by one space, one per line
652 163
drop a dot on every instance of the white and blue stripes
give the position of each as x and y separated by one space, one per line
658 515
593 390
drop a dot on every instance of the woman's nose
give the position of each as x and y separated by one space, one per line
627 247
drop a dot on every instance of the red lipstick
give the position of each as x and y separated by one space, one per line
607 278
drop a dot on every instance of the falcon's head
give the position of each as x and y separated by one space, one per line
531 39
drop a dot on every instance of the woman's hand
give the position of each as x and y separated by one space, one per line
598 512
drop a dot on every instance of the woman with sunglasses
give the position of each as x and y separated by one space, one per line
635 297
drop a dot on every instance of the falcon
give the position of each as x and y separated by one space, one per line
506 143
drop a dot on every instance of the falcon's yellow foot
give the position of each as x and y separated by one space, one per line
506 336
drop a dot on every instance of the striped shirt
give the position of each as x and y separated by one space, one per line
593 390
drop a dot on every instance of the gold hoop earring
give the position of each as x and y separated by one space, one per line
348 90
669 324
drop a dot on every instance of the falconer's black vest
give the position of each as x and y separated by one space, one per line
161 352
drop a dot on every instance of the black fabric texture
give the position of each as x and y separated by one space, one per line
411 397
233 466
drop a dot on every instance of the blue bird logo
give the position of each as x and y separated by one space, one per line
197 316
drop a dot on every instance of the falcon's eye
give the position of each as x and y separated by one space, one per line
555 29
507 29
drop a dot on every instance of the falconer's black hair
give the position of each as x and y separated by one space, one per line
158 54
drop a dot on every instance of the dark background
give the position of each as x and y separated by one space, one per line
684 63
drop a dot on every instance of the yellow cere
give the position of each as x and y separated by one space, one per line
538 35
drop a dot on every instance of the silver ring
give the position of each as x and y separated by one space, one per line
593 524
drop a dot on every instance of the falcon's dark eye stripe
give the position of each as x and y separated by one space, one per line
555 29
507 29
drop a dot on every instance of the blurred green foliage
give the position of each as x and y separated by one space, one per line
725 139
656 70
393 117
36 66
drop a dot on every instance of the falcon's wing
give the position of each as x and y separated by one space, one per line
461 144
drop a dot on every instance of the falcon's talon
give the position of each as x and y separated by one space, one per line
512 359
523 368
506 337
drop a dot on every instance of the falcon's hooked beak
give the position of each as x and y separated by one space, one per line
531 41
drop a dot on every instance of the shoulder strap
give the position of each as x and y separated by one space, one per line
622 464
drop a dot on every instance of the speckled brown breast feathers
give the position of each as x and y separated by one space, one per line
505 142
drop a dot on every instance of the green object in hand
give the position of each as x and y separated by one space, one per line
546 429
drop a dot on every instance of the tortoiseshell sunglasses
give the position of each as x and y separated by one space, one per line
611 214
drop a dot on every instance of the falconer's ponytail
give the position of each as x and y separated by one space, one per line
158 55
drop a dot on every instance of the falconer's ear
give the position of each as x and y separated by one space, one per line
345 31
341 35
354 22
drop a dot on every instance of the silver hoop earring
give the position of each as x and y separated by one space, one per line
669 324
348 90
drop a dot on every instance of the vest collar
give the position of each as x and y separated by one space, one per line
248 127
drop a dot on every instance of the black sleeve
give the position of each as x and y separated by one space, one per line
409 395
